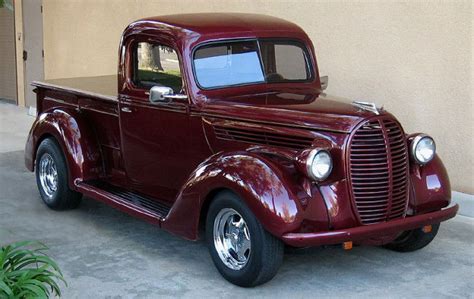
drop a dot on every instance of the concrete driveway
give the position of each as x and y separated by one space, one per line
107 254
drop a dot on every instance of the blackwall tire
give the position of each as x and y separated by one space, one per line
413 240
249 268
52 177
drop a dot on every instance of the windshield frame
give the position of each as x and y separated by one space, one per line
279 40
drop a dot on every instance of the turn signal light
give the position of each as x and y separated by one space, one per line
347 245
427 229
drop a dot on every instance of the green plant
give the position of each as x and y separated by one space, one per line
27 272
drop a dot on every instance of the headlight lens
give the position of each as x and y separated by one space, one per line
423 149
319 164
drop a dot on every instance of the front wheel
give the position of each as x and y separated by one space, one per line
242 251
413 239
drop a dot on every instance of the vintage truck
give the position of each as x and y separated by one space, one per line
217 125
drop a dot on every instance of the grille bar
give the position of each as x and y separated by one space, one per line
378 169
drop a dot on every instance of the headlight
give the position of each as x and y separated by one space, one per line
319 164
423 149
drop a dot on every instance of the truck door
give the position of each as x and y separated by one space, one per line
154 135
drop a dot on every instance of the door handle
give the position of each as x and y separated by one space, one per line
126 109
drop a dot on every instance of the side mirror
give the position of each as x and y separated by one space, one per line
158 94
163 94
324 82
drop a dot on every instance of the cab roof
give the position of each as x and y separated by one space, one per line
220 24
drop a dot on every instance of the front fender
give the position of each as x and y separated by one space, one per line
75 138
431 189
269 190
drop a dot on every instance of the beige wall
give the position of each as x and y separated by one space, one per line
415 58
20 64
7 55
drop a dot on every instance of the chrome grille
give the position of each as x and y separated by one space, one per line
378 164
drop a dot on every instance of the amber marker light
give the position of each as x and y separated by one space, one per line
347 245
427 229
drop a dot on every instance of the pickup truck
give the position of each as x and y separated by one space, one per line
218 126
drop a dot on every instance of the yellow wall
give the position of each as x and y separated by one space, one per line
415 58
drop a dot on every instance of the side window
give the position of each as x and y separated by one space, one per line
291 62
284 61
156 64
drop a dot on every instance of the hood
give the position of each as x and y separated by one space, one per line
315 111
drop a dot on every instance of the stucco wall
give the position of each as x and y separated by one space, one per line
415 58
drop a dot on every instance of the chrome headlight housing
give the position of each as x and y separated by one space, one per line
319 164
423 149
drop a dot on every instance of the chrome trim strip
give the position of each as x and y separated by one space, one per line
98 111
46 98
159 107
172 107
268 122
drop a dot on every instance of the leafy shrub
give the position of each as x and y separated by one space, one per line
27 272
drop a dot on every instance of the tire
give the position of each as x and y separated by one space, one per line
265 252
52 177
413 240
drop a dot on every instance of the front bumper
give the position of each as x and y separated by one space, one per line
369 231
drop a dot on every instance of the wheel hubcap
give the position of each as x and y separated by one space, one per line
48 175
232 239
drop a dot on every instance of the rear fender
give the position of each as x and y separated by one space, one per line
76 139
271 193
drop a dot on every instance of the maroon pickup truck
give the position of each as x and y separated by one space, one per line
218 123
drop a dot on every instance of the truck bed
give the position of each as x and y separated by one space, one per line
104 87
96 100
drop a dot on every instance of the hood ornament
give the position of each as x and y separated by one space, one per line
367 106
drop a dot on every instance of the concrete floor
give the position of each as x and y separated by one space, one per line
107 254
14 127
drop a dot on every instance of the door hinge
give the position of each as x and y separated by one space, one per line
42 53
41 8
25 55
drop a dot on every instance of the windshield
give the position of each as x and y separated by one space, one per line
247 62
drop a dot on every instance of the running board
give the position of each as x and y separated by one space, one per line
125 200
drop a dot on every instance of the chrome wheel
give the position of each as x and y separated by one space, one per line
232 239
48 175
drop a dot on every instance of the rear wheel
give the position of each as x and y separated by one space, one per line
413 239
52 177
242 251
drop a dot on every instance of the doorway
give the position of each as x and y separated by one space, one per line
7 58
33 54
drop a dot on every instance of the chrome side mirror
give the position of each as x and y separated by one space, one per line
158 94
163 94
324 82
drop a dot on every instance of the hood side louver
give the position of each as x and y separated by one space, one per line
262 137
